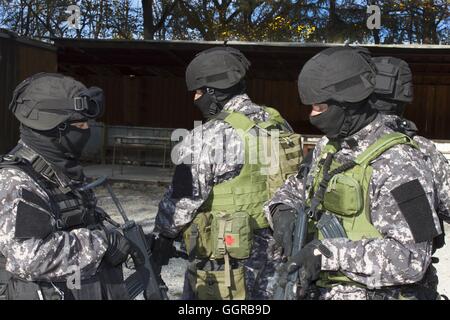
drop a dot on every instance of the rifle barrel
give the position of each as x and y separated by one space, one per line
117 203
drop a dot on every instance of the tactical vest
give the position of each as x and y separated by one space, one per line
70 208
342 190
250 189
225 223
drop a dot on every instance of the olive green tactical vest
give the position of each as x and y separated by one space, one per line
347 195
250 189
223 227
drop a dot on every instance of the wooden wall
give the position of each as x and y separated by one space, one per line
164 102
20 59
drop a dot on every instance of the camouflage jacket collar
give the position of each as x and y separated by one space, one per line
366 136
242 103
392 121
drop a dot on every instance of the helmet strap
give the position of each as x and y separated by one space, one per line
216 106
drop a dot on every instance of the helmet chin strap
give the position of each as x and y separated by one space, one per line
62 128
356 117
214 100
215 107
346 126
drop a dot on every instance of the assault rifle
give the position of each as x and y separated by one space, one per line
328 225
296 280
144 279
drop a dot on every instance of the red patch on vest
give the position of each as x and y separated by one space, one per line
229 240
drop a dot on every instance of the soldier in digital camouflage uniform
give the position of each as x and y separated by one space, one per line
384 242
51 232
210 158
393 91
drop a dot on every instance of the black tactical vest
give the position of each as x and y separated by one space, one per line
71 209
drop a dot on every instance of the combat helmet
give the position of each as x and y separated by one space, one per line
394 87
219 73
217 68
340 74
344 79
47 100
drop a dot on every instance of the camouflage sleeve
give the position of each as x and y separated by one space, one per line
395 258
208 155
441 174
291 192
52 258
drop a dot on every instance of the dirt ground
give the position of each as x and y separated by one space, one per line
141 204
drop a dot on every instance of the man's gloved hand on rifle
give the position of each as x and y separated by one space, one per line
283 218
118 248
308 262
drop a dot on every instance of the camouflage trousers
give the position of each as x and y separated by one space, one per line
259 269
4 278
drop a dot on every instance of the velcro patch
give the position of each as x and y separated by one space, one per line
232 240
31 197
413 203
32 222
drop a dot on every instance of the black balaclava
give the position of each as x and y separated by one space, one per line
61 147
213 100
389 107
342 120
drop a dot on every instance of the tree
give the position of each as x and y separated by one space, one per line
254 20
156 15
403 21
414 21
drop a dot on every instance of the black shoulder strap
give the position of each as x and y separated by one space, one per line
327 175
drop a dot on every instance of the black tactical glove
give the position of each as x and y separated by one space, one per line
283 218
119 248
309 261
162 248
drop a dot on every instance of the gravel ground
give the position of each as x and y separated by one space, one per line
140 202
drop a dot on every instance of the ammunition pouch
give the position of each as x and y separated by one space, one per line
231 234
344 196
197 237
221 239
217 235
218 285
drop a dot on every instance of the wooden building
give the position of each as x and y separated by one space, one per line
20 58
144 80
145 87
